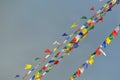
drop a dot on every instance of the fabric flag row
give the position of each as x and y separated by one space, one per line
97 52
82 31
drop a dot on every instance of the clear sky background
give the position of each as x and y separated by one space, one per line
27 27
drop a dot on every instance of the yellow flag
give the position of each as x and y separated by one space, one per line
113 1
91 60
53 58
105 5
54 49
28 66
99 15
74 25
37 75
38 79
84 31
69 44
67 48
108 40
89 20
71 78
71 35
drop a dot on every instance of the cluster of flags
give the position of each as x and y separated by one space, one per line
97 52
71 42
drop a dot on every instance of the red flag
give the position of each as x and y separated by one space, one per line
47 51
56 62
40 76
58 53
24 76
74 40
71 49
95 14
44 68
98 51
78 72
92 8
91 24
101 19
114 33
104 10
110 5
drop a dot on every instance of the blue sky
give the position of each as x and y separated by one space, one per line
27 27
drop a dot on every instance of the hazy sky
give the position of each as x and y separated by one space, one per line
27 27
